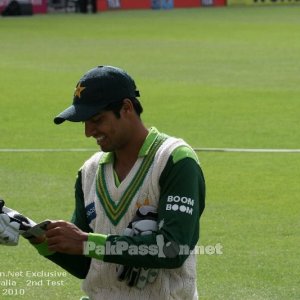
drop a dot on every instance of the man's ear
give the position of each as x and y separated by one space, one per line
127 106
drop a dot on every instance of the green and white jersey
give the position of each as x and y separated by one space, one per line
167 176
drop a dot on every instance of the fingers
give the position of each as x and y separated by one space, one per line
55 234
57 231
65 237
56 224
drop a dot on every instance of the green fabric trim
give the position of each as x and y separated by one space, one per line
184 152
95 246
42 248
107 158
115 211
117 181
152 135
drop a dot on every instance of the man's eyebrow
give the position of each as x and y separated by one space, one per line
96 117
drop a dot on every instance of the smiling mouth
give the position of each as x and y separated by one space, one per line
100 139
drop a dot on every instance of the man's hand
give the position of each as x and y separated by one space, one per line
65 237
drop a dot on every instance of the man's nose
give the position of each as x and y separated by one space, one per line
89 128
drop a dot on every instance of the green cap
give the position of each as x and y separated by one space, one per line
96 89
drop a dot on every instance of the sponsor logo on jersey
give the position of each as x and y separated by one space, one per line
180 204
90 212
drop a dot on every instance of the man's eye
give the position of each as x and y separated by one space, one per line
97 119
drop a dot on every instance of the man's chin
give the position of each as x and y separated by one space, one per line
105 148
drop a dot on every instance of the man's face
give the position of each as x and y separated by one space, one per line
110 132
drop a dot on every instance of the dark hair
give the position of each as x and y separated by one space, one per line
115 107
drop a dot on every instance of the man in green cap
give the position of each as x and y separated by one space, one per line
138 200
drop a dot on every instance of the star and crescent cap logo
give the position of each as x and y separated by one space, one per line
78 90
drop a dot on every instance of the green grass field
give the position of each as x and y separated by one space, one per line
220 77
